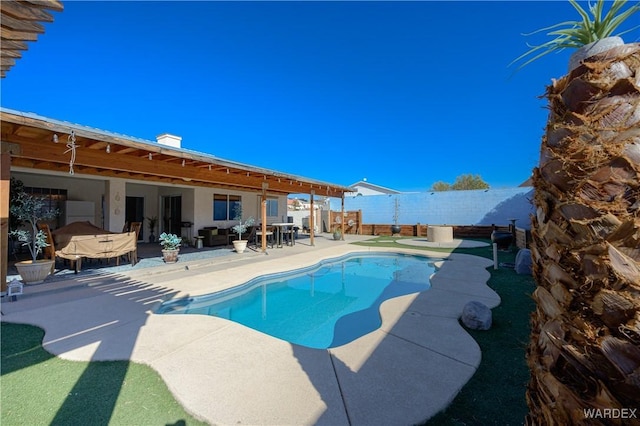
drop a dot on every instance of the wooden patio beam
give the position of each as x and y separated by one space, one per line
47 4
34 141
10 34
25 11
19 24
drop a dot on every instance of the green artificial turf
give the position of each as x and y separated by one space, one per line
495 395
41 389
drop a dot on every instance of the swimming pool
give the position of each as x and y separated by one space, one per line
323 306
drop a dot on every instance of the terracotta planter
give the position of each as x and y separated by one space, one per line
170 256
35 272
240 245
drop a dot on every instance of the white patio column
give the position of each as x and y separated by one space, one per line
114 199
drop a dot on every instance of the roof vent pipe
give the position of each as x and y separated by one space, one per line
169 140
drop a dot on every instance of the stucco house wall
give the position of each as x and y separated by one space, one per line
197 202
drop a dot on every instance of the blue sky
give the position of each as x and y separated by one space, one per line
402 93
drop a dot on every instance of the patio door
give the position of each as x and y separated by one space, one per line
134 212
172 214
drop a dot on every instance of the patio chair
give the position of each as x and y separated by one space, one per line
251 236
289 234
135 227
268 235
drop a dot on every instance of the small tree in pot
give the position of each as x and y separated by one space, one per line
240 245
395 228
30 210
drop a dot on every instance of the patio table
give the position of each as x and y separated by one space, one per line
280 226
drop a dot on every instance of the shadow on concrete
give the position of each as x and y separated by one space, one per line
413 366
88 328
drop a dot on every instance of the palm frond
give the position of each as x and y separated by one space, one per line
575 34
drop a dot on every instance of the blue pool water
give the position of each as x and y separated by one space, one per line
324 306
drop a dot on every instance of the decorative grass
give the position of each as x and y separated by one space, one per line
495 395
41 389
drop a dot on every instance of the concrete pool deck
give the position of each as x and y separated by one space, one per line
224 373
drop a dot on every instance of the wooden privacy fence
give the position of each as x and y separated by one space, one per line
522 236
352 221
353 225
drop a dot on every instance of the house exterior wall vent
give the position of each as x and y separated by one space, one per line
169 140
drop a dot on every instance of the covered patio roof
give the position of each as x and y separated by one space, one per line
29 139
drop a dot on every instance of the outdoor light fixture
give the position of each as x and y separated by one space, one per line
150 157
108 148
55 138
183 162
209 167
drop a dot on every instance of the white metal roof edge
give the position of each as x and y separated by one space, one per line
167 149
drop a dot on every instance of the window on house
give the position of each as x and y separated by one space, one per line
272 207
53 198
224 206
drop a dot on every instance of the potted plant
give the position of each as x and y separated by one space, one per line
337 233
240 245
170 247
29 209
395 228
153 220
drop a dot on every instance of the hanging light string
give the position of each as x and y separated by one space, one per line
71 145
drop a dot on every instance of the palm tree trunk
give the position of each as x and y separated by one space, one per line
584 352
